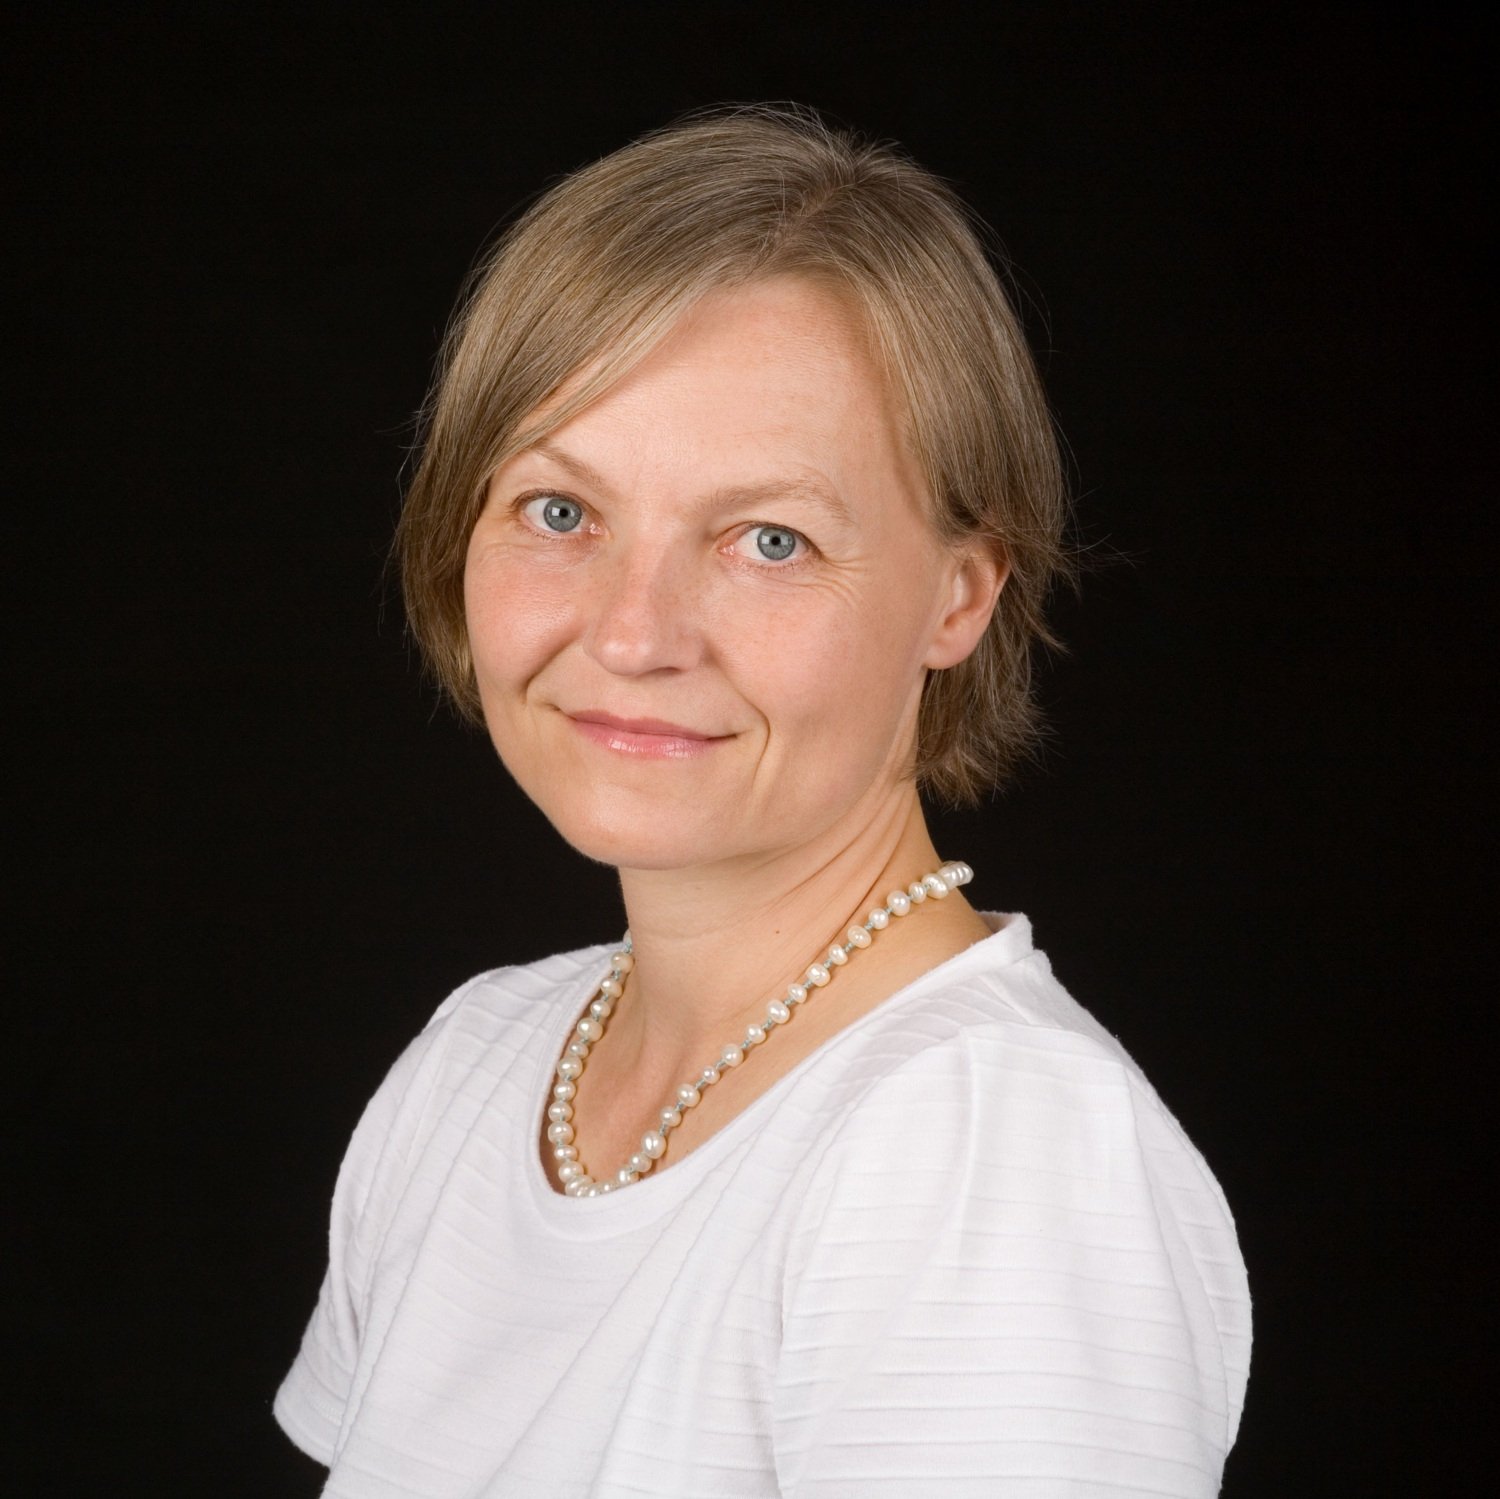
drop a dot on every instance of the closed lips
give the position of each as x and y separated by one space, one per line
646 726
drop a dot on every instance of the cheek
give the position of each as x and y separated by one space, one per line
517 619
833 674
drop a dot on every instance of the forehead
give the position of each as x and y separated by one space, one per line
781 371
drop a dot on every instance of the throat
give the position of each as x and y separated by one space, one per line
614 1118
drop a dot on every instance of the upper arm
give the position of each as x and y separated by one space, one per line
311 1402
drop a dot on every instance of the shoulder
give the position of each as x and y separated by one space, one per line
509 1002
399 1157
503 1006
473 1037
989 1071
993 1128
976 1034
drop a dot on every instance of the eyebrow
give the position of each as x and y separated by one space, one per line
807 487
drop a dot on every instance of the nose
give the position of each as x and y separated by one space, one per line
641 612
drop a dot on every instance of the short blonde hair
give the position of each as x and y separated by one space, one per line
598 270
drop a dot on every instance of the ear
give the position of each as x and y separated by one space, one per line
978 572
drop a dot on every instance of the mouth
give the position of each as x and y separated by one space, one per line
643 738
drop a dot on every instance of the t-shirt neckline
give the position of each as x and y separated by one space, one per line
618 1212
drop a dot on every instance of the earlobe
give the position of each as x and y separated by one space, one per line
977 579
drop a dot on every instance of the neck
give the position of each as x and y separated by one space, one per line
713 944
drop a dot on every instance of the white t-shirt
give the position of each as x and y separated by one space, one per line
960 1250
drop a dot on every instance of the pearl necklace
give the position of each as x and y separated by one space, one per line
571 1171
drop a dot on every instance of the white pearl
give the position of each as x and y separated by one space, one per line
571 1173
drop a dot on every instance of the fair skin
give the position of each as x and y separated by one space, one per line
701 613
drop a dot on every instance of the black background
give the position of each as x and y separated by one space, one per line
254 855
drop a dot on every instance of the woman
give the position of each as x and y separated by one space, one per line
736 513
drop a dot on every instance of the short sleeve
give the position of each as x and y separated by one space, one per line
312 1400
1011 1268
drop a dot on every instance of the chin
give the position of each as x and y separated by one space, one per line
641 838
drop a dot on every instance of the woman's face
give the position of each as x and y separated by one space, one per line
701 611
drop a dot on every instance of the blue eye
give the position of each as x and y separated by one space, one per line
557 513
775 543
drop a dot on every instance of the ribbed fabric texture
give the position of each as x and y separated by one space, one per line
962 1250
